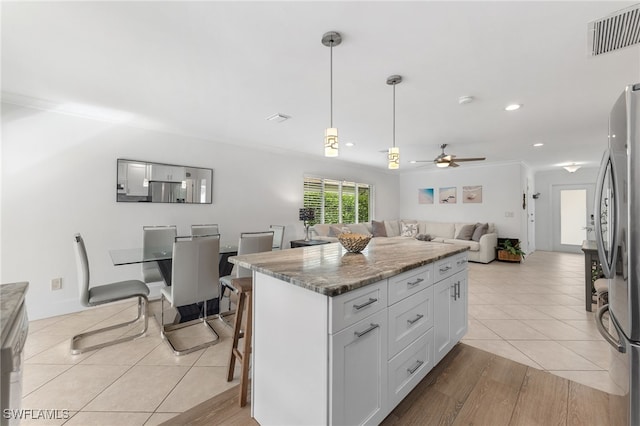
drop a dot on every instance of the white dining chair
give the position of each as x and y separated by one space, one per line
194 279
211 229
155 238
278 236
106 293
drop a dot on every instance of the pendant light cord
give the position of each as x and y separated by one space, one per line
331 84
394 115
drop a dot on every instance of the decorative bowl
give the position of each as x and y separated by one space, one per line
354 243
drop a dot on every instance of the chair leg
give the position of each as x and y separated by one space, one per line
236 337
246 356
143 307
169 328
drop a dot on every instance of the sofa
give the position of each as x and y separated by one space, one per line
481 248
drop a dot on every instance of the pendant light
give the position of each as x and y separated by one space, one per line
394 151
331 39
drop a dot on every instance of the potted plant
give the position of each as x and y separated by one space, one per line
509 251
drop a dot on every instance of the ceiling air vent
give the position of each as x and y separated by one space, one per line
613 32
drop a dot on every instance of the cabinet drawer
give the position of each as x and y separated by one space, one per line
349 308
409 367
409 319
446 267
409 283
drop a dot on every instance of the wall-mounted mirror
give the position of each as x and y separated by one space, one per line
144 182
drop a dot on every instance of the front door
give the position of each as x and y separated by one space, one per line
572 216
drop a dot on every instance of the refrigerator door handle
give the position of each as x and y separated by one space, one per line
602 255
605 333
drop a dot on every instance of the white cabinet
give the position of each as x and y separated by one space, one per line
351 307
409 367
450 313
167 173
358 365
350 359
409 319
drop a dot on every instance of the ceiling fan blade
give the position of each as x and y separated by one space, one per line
471 159
453 164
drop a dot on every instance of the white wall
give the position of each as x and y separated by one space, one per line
59 178
544 205
501 195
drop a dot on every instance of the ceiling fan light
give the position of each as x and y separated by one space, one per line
572 168
442 164
394 158
331 142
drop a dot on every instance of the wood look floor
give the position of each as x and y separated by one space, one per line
468 387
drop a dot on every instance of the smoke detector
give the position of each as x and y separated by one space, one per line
278 118
465 100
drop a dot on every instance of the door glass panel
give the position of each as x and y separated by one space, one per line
573 216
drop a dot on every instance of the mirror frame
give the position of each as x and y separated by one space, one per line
166 178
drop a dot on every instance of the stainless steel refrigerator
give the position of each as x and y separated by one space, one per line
618 239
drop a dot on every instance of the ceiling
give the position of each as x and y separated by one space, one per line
217 70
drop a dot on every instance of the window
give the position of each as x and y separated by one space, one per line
337 201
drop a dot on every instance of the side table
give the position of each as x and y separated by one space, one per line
303 243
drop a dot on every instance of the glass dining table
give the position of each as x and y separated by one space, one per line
162 256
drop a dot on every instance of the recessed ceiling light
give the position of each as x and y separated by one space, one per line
538 144
412 161
465 100
512 107
278 118
349 144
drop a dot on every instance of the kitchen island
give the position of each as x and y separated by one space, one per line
341 338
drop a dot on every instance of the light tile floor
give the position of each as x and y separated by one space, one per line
532 313
139 382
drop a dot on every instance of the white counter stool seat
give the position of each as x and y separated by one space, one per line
106 293
194 278
244 314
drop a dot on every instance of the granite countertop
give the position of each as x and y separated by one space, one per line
11 297
330 270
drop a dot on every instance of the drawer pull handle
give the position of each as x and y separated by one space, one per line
362 333
445 269
458 290
416 319
415 283
461 262
415 367
365 304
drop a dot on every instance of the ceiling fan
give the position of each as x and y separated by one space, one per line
447 160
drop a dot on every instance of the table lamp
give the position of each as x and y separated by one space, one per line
307 214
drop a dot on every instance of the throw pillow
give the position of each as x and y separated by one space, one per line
335 230
423 237
359 228
466 232
480 230
409 229
379 229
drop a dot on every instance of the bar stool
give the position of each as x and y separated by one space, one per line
244 287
